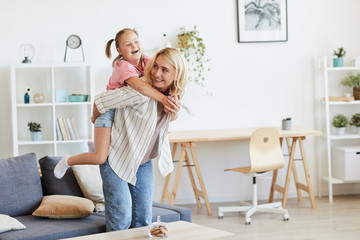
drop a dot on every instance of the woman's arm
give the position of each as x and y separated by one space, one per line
147 90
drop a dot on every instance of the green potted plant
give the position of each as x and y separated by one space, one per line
340 122
286 123
193 48
338 60
353 81
35 131
355 121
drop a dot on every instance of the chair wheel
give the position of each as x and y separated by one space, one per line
247 221
220 217
286 217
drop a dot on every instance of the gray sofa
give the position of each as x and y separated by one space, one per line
22 190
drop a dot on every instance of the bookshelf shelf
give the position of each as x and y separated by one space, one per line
73 78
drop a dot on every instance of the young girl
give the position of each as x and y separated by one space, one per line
128 66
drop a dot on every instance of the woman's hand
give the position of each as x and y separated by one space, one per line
175 107
95 114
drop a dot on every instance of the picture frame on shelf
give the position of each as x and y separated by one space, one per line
262 21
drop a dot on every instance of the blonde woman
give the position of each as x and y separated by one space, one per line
138 135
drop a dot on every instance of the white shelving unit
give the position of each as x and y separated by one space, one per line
75 78
330 86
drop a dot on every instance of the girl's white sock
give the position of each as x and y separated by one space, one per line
61 167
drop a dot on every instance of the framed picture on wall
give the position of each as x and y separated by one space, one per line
262 21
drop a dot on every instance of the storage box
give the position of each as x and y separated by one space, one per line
346 162
78 98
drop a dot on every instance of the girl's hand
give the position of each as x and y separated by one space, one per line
175 107
95 114
175 104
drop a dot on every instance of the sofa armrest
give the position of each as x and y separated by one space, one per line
185 213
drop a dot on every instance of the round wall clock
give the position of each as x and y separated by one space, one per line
73 42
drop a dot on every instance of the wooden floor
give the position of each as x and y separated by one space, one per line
339 220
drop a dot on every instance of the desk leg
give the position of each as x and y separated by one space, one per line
288 173
296 179
307 175
201 182
192 179
198 193
291 168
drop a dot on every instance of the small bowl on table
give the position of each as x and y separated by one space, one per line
158 229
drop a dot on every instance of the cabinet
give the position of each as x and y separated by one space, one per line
330 87
74 78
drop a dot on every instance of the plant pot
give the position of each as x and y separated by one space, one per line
356 93
286 124
340 130
338 62
36 136
358 130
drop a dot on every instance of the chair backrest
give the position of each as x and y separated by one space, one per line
265 150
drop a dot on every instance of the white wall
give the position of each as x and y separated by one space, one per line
253 84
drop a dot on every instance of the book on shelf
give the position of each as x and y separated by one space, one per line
74 128
58 132
67 128
63 128
70 129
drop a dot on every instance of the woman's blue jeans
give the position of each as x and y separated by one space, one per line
127 205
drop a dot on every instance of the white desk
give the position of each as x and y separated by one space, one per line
187 141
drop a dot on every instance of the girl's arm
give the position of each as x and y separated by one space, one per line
118 98
147 90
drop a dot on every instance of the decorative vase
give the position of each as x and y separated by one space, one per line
356 93
39 97
286 124
36 136
341 130
338 62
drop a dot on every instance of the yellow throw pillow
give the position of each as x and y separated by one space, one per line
64 206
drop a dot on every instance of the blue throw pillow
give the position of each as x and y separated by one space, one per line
20 185
67 185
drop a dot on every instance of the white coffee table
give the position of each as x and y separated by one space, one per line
177 230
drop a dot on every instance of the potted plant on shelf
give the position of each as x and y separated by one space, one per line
35 131
355 121
340 122
193 48
353 81
338 61
286 123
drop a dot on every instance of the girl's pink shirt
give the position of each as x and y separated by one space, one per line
123 70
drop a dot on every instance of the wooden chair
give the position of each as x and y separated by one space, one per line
265 155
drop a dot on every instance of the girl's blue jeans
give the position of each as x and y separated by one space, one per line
127 205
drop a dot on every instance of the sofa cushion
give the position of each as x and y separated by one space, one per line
63 206
51 229
90 182
20 185
8 223
67 185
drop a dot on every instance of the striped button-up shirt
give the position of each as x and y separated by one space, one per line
134 124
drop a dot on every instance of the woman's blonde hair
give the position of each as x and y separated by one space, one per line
178 61
117 42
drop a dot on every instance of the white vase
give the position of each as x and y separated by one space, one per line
341 131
